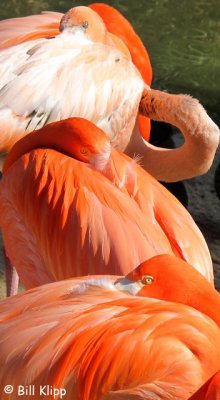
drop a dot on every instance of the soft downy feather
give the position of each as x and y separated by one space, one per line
107 84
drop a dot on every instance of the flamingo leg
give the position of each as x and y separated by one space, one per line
12 278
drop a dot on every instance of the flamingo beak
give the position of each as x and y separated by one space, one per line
100 160
125 285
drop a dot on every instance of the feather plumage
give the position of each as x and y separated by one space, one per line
99 343
100 221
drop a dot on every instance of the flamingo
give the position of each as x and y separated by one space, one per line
100 84
88 207
95 340
19 30
160 279
83 64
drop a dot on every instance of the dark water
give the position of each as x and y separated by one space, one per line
182 38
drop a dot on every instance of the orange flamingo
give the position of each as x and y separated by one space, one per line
162 280
103 212
111 101
94 340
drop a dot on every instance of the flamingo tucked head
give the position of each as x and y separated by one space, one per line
75 137
84 20
118 25
169 278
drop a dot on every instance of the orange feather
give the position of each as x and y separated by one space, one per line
117 24
19 30
210 390
98 342
87 208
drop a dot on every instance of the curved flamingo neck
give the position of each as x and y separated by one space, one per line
188 286
201 135
117 24
191 288
48 136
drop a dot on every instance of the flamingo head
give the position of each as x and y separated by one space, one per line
85 20
74 137
167 277
86 142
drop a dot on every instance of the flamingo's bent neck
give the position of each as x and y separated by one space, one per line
201 135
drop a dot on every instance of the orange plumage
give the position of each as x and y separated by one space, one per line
87 209
210 390
87 71
97 342
117 24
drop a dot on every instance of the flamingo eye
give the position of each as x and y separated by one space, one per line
84 150
147 279
85 24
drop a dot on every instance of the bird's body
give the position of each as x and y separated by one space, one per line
101 84
86 336
81 75
46 25
87 209
160 278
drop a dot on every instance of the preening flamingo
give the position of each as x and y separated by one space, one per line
83 75
97 342
183 285
20 30
87 208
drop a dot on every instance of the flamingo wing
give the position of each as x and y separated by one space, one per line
164 211
18 30
186 239
90 80
117 24
103 219
94 226
99 343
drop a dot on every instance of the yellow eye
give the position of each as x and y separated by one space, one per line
147 279
84 150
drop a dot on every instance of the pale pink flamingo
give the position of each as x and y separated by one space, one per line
84 73
23 29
